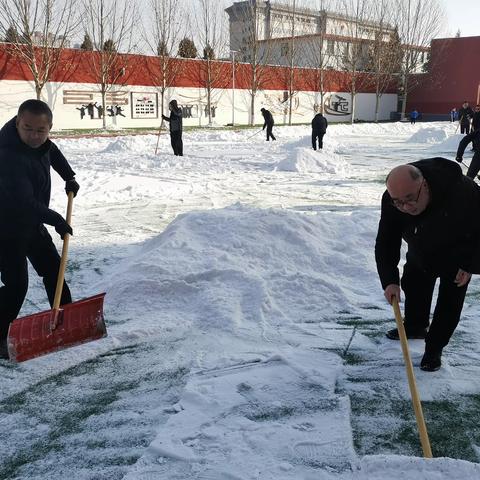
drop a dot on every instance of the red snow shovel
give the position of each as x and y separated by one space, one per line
52 330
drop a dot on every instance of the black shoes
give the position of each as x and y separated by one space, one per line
412 334
431 361
4 350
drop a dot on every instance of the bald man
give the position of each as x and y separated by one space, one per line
435 209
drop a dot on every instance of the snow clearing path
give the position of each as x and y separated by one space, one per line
245 318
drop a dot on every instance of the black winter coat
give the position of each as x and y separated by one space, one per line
465 114
268 117
473 137
445 237
476 121
25 183
175 120
319 123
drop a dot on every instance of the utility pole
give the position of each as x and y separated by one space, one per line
291 77
233 52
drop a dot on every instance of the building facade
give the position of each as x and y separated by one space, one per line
306 37
135 101
454 77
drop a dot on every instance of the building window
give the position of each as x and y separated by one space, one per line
284 49
330 47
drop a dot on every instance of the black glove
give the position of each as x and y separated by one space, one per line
72 186
459 159
63 228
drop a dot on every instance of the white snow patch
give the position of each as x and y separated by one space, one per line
307 160
429 135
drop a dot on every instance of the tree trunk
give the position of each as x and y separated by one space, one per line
377 105
104 109
252 108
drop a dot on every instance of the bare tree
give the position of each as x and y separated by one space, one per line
356 56
418 22
110 25
162 33
291 10
37 32
255 50
320 54
386 51
210 23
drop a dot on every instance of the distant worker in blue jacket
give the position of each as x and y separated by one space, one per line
413 116
453 115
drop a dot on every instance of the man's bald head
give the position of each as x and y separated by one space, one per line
405 184
403 175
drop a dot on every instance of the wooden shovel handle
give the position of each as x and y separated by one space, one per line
63 260
417 406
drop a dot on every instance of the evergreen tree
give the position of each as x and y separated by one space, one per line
109 46
426 65
458 34
395 52
87 43
208 53
11 35
187 49
162 50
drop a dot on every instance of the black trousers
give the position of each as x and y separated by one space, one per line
465 128
474 166
317 136
40 250
269 133
418 287
177 143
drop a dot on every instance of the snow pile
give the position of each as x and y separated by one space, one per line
242 269
450 144
428 135
308 160
380 467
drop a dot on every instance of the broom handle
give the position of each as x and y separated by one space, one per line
417 406
158 136
63 260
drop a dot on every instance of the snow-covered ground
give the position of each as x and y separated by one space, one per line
246 321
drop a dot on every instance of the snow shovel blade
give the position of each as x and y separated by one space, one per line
78 322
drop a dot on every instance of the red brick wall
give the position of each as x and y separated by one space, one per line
76 66
455 76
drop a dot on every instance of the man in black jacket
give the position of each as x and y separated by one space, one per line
26 155
319 128
474 166
476 118
465 115
268 122
435 209
175 121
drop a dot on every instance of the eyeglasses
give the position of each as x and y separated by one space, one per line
409 201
